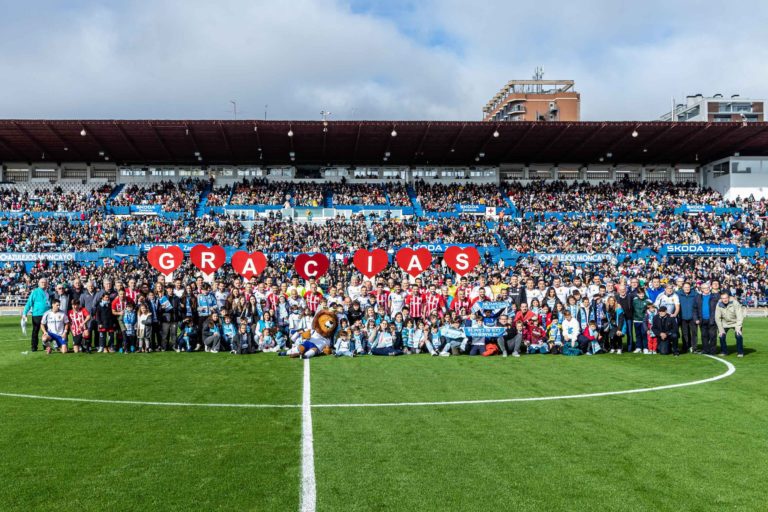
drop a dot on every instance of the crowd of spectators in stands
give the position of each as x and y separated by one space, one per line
54 199
181 196
275 234
261 191
623 235
222 230
59 234
398 195
443 198
458 230
358 194
620 196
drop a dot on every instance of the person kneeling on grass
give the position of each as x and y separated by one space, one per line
536 341
456 340
383 343
589 339
54 325
434 342
554 337
570 335
187 336
665 329
729 314
242 342
268 340
344 347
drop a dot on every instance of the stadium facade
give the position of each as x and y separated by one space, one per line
730 157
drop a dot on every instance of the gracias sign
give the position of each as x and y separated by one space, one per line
370 263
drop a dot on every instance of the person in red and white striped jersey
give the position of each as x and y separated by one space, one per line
313 297
78 322
382 297
414 301
460 302
434 302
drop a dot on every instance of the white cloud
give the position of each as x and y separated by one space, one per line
188 59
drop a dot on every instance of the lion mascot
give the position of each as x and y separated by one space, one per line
317 340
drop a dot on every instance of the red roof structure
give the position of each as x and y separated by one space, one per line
415 143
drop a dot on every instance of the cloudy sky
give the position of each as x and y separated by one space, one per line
362 59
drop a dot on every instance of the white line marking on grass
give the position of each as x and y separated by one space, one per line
728 373
137 402
308 487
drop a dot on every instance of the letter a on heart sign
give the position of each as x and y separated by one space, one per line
165 259
413 262
461 260
249 265
370 263
208 259
308 266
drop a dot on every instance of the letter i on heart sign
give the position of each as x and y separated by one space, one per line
370 263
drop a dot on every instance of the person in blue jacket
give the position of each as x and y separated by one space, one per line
38 303
686 319
704 317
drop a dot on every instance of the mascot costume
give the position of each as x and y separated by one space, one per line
319 339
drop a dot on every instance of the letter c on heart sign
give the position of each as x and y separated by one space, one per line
165 259
315 265
208 259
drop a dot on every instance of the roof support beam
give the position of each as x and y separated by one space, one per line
10 148
644 145
516 145
579 146
129 141
357 143
551 143
32 139
161 141
226 141
421 140
65 144
455 140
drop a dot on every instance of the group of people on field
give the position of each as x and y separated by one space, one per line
132 309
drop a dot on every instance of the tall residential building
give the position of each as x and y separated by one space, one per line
534 100
717 109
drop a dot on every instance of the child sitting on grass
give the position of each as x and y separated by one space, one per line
187 336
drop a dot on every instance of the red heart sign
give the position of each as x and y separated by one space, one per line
249 265
308 266
370 263
414 262
208 259
461 260
165 259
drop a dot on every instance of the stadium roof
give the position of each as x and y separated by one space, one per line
369 142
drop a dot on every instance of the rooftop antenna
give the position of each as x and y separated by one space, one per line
538 74
234 108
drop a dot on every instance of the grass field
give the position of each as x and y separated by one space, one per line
691 448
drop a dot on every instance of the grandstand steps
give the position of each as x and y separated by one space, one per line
417 209
115 192
203 202
328 200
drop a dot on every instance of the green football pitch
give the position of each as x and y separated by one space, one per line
221 432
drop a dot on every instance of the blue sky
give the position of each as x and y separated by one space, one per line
432 59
